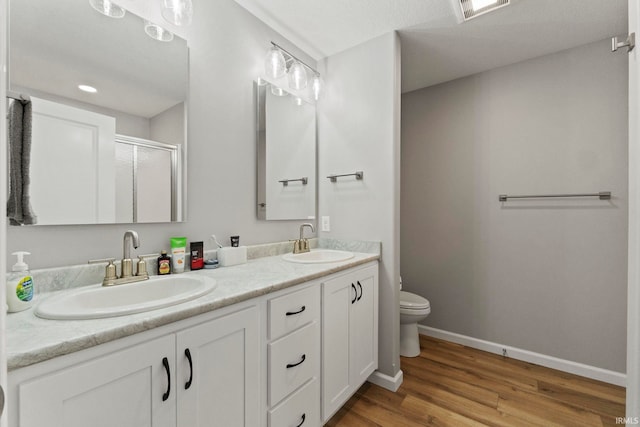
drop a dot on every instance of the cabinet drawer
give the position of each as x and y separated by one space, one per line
303 405
293 360
287 313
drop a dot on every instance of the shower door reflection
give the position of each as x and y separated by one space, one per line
146 180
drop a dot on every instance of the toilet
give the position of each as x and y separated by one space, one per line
413 309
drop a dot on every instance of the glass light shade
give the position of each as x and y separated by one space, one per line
177 12
317 85
275 66
297 101
278 91
107 8
156 32
297 76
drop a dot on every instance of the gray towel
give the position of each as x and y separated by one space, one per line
19 208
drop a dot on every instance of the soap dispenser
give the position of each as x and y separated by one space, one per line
19 285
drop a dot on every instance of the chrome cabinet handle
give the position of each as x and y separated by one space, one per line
360 286
293 313
188 383
304 416
165 362
356 291
293 365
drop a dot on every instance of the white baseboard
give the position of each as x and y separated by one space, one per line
592 372
386 381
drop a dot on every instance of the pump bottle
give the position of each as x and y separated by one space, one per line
19 285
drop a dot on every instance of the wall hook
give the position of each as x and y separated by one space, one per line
629 43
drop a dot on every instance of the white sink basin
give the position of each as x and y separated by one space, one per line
97 301
318 256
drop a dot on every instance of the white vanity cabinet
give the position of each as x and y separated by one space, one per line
218 372
124 389
293 358
284 359
135 387
349 335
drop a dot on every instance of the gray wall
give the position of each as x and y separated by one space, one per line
227 49
545 276
358 129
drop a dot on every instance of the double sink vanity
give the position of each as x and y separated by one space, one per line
283 340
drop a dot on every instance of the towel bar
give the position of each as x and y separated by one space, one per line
603 195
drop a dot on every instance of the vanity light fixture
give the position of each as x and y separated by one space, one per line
278 91
177 12
107 8
473 8
316 86
87 88
279 62
297 76
156 32
275 66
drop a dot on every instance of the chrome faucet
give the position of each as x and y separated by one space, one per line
127 263
302 245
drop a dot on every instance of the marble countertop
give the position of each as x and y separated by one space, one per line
31 340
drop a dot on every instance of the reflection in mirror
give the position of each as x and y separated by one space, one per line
286 146
86 146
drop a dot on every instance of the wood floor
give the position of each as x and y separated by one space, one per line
453 385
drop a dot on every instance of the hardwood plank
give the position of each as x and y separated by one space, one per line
453 385
528 370
581 399
467 389
488 415
435 415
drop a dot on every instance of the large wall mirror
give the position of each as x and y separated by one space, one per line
286 147
113 156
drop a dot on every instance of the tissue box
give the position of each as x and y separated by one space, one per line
232 256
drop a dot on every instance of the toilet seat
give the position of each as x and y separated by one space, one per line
409 301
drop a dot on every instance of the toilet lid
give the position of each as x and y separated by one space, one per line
413 301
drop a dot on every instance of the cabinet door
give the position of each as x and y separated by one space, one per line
123 389
337 298
363 324
224 372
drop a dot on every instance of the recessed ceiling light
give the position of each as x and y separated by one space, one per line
472 8
87 88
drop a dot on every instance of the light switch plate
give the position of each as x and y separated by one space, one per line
326 223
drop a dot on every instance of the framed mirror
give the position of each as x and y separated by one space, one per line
114 154
286 147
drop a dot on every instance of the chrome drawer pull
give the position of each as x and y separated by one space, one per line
293 365
293 313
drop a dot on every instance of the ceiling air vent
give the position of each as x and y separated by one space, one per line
473 8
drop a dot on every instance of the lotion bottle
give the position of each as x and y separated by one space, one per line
19 285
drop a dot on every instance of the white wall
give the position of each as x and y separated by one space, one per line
546 276
168 126
358 129
227 49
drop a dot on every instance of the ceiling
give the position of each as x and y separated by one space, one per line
435 47
56 45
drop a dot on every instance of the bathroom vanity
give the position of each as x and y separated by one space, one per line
275 344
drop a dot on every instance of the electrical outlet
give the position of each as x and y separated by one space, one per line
326 223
